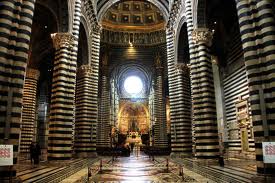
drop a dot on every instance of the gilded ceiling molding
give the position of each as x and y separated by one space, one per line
133 28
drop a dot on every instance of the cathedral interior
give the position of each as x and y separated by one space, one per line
137 91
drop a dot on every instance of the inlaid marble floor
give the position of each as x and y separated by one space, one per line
141 169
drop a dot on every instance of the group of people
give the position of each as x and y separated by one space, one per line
35 152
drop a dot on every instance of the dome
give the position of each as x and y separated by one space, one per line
133 15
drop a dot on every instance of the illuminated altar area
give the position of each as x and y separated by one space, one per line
133 117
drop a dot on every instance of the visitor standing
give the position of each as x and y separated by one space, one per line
37 153
32 149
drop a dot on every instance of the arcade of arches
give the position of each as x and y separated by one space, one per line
177 81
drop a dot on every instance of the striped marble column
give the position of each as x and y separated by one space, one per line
192 47
62 98
204 106
172 82
14 49
160 130
86 115
29 125
95 48
257 28
179 109
181 137
103 128
75 32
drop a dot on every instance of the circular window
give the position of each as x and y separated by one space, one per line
133 85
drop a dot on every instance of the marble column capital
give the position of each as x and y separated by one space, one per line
214 60
96 28
182 68
84 70
32 74
63 40
202 35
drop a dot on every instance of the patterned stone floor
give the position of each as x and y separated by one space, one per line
138 168
141 169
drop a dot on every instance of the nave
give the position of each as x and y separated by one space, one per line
139 168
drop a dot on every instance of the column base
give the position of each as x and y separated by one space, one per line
23 156
207 162
8 180
180 155
8 174
86 155
260 178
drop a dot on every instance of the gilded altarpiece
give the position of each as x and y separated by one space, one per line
133 117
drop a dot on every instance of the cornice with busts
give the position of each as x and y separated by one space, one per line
63 40
202 35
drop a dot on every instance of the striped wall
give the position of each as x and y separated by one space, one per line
62 99
235 87
15 31
29 118
86 116
256 20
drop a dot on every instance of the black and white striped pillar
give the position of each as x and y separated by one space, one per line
104 128
159 103
29 118
181 138
257 28
95 49
203 93
86 115
15 31
62 99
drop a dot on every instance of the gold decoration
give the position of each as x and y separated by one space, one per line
63 40
202 35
